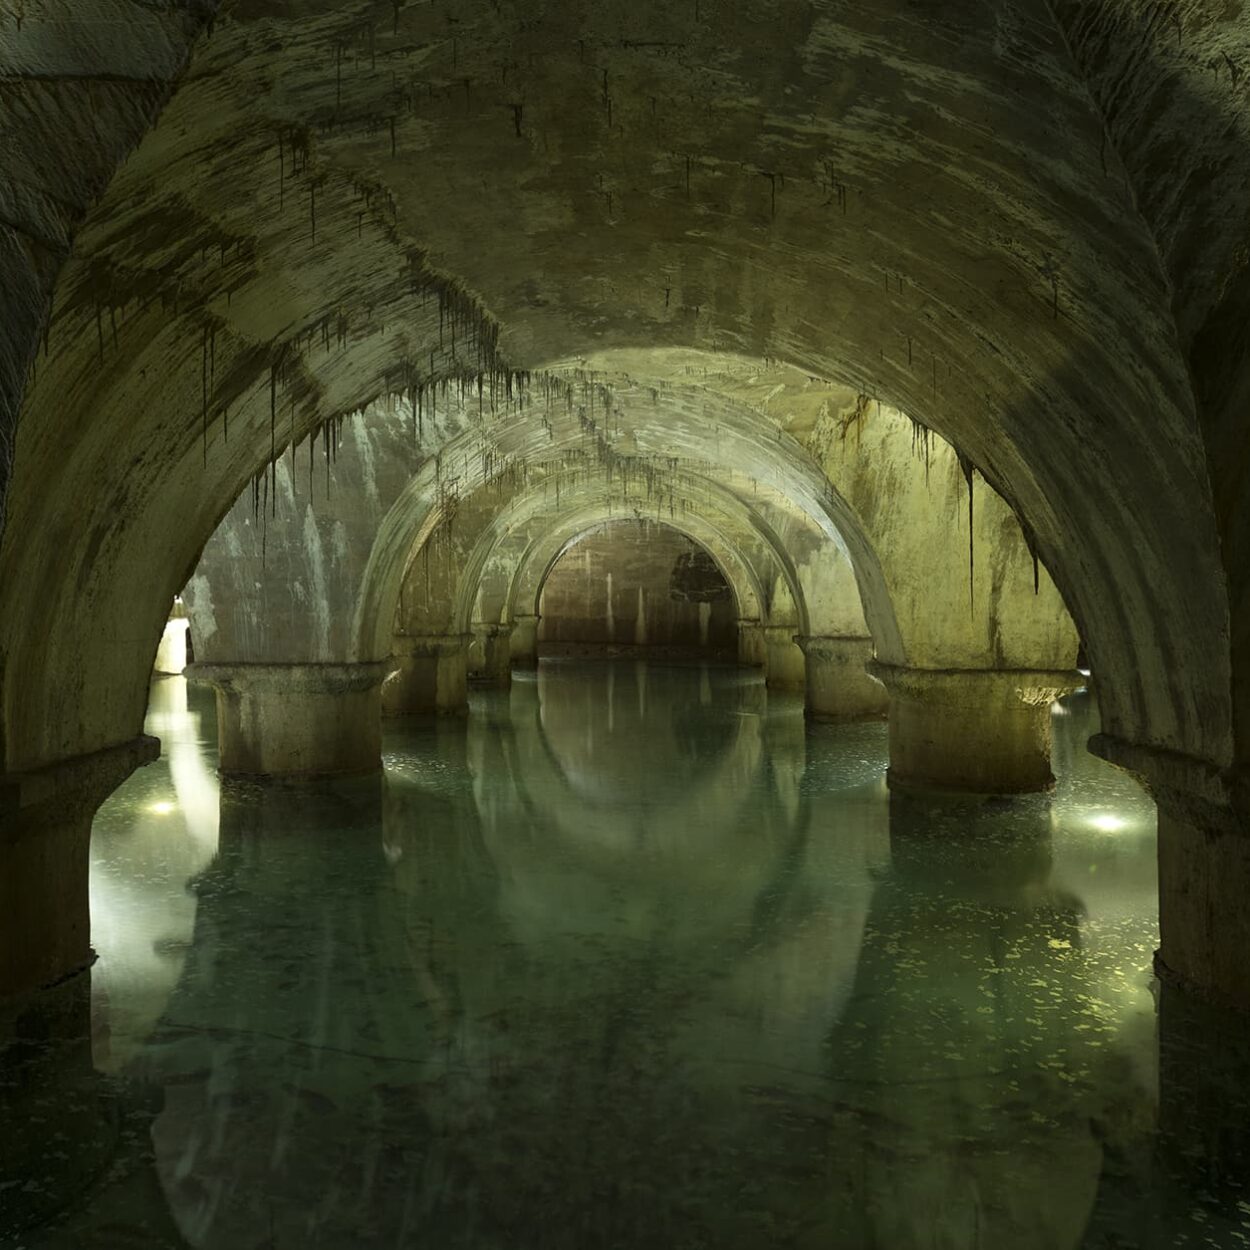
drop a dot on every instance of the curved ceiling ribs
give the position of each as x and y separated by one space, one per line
335 194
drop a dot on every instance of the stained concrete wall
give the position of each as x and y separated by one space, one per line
639 584
1025 307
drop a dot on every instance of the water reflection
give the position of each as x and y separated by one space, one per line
632 957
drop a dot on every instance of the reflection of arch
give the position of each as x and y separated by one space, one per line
603 816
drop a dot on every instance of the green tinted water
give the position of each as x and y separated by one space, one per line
630 957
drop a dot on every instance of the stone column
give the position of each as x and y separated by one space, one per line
495 644
430 675
979 731
296 720
45 834
838 684
524 641
1204 868
752 647
786 668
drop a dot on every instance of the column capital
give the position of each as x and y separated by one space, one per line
977 687
1202 793
70 787
778 633
297 678
829 644
429 646
492 629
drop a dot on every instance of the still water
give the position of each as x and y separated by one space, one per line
630 957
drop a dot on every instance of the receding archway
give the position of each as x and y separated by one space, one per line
637 587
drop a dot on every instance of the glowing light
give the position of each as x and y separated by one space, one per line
1105 822
160 809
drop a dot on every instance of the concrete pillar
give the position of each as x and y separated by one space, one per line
45 832
838 684
979 731
786 667
296 720
430 675
1204 869
524 640
494 642
752 647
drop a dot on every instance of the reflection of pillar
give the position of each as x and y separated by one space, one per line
524 640
786 667
982 731
293 720
60 1116
307 984
1204 869
838 685
939 1079
1204 1055
45 830
431 675
752 648
494 643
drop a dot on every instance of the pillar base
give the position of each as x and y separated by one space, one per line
524 640
492 647
786 667
430 675
45 835
296 720
838 684
973 731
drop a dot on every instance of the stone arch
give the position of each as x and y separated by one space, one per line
414 517
546 551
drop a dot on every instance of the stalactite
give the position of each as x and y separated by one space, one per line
204 393
966 467
273 412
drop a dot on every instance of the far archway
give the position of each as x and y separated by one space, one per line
637 587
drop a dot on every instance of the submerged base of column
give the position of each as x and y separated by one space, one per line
430 675
492 648
973 731
786 668
45 834
296 720
523 643
838 684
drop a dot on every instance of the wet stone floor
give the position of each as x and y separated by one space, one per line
629 957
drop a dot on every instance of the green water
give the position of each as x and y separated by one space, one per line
630 957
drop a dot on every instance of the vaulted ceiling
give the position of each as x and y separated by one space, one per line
1023 223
